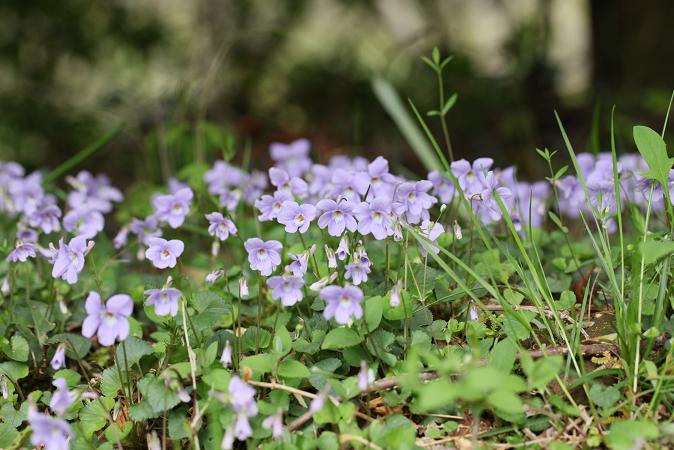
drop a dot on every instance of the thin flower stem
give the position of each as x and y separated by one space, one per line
126 367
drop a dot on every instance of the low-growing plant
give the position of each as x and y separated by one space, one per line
341 305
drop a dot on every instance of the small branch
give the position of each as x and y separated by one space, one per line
391 382
585 349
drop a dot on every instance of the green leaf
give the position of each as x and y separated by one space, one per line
135 350
77 346
95 415
7 435
259 364
374 309
503 355
505 401
341 338
653 250
541 372
72 378
291 368
654 150
625 433
16 348
14 370
567 300
110 383
436 393
604 396
449 104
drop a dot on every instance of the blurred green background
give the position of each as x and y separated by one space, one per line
181 75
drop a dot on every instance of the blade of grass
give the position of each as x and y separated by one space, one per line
82 155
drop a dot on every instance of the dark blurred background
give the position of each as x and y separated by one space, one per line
183 75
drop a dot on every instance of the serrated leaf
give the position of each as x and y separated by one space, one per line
135 350
653 250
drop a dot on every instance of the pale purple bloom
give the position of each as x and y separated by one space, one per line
222 176
319 179
145 229
394 301
254 186
473 313
296 218
229 199
84 222
374 217
487 207
93 192
220 226
319 401
357 272
287 288
413 200
270 205
214 276
50 432
430 231
443 187
121 238
27 235
69 259
108 321
381 181
300 262
62 398
242 399
365 376
165 300
173 208
243 287
27 193
330 256
22 251
349 185
293 157
343 249
285 183
58 361
164 253
263 256
46 217
274 423
226 358
532 198
469 176
571 196
342 303
336 216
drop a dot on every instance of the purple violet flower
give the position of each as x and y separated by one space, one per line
58 361
270 205
108 321
442 186
300 262
46 217
173 208
430 231
486 206
164 253
296 218
287 288
349 185
50 432
165 300
293 157
285 183
336 216
220 226
468 176
357 272
84 222
62 398
226 358
343 249
342 303
374 217
22 251
69 258
263 256
242 399
275 424
413 200
95 193
365 376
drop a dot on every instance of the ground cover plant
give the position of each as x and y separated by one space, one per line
341 305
